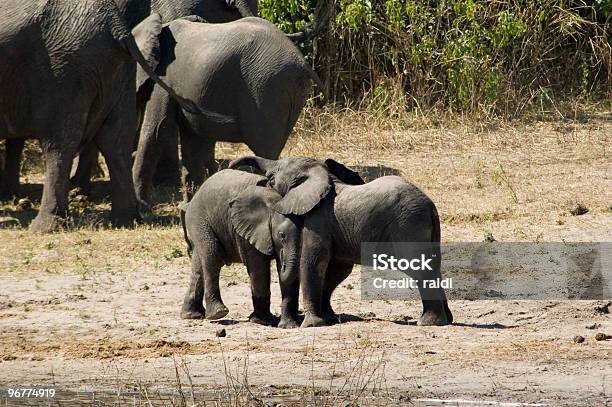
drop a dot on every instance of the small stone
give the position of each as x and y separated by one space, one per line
578 339
593 326
221 333
604 309
578 210
600 336
24 204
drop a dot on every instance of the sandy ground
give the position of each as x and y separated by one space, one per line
98 308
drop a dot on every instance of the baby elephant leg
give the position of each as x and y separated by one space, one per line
192 304
258 267
336 273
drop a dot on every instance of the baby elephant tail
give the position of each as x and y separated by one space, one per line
183 209
435 221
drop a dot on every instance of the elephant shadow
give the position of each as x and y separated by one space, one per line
91 211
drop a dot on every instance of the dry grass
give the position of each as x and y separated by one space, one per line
518 181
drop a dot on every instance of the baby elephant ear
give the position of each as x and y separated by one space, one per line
146 35
344 173
250 215
301 198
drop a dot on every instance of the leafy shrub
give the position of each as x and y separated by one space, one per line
467 56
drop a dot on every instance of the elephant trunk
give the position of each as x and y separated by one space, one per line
244 9
323 15
262 164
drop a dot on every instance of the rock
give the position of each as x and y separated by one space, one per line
24 204
604 309
578 339
593 326
221 333
600 336
578 210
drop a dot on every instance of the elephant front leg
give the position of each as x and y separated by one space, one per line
192 304
54 205
313 264
336 273
258 267
9 186
290 292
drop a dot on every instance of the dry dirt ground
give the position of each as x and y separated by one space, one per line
97 309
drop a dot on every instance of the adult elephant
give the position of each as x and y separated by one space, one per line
134 11
340 212
212 11
67 77
246 69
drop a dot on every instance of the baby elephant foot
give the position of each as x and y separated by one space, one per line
312 321
432 318
263 319
288 323
192 312
216 310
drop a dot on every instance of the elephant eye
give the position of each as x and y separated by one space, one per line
282 235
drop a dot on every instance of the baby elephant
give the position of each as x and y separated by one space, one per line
230 220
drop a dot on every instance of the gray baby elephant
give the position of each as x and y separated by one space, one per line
230 220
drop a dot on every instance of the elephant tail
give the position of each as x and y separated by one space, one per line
311 74
129 42
435 221
183 210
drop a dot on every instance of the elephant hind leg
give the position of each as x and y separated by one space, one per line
115 141
86 163
159 127
198 155
336 273
9 180
209 250
192 304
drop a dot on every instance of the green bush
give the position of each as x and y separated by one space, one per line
498 58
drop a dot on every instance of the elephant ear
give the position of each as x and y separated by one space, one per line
306 191
250 215
344 173
147 38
